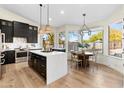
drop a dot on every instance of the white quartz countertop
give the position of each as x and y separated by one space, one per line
59 48
39 52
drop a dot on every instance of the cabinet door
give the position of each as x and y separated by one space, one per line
20 29
6 27
34 35
30 60
9 57
30 35
42 66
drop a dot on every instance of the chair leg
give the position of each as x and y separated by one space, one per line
81 64
86 64
76 65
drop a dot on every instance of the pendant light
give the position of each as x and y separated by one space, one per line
85 28
48 28
40 29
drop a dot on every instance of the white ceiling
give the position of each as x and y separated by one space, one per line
72 15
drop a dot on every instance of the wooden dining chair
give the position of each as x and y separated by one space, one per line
75 60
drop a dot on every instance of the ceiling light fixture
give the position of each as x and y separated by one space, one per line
62 12
85 28
50 19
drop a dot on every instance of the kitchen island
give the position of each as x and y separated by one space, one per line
50 65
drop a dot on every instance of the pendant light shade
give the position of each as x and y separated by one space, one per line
47 28
85 27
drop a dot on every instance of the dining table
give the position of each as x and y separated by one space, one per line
84 56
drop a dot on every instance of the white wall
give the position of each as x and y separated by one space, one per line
113 62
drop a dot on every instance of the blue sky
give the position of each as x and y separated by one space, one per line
116 26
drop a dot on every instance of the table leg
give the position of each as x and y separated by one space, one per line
0 71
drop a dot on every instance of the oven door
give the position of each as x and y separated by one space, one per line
21 54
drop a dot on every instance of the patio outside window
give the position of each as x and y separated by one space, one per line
93 41
116 39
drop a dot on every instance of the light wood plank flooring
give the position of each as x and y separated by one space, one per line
21 76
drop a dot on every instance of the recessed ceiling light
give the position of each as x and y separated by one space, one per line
50 19
62 12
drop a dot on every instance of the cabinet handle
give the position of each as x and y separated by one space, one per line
43 65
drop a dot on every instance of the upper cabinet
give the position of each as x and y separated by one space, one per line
20 29
32 34
7 28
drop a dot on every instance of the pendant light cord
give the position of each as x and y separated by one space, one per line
47 14
84 18
40 14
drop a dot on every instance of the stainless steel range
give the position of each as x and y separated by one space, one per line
21 55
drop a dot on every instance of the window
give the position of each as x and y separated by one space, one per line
62 39
93 41
73 38
87 42
115 38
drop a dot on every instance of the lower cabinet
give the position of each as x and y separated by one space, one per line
38 63
9 57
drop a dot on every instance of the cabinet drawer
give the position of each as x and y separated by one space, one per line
42 69
43 74
42 65
43 59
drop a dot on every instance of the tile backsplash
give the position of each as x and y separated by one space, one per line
21 42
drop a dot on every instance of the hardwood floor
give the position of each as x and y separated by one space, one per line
21 76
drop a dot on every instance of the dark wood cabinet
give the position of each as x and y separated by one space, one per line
32 34
38 63
59 50
9 56
20 29
7 28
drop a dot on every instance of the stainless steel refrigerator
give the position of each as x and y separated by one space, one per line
2 49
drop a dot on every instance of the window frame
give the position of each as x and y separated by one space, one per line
122 38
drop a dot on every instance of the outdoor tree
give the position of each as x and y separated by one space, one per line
115 35
94 38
